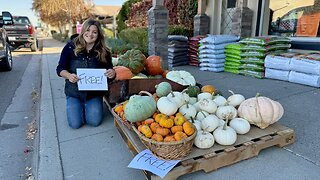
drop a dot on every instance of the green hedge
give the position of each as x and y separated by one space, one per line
118 46
138 37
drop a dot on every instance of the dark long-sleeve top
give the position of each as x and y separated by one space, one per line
70 62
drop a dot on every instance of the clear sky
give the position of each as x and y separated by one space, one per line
23 7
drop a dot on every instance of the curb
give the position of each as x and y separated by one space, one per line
49 157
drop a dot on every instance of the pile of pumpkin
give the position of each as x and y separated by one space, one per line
134 65
214 117
163 128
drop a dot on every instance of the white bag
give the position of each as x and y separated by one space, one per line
277 74
306 79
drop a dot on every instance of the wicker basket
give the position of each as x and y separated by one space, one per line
168 150
125 122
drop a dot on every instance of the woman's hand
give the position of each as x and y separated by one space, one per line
110 73
73 78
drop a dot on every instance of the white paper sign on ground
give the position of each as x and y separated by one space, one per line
145 160
92 79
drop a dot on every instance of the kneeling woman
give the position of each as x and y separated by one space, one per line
87 50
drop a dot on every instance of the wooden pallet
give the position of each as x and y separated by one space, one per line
247 146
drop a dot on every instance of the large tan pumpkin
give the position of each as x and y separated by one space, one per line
260 111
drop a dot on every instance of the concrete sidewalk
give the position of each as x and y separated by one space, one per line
100 153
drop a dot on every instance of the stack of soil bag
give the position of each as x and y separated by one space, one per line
194 50
177 50
233 58
305 69
252 52
211 51
277 66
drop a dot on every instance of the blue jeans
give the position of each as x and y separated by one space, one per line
81 112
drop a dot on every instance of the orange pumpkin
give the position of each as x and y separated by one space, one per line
149 121
208 88
154 126
153 65
167 123
122 73
162 131
118 109
157 137
188 128
175 129
160 116
145 129
180 135
169 139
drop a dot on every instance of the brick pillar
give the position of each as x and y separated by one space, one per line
201 20
158 31
242 20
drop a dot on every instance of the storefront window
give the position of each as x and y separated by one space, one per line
295 18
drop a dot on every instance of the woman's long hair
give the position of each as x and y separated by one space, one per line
103 52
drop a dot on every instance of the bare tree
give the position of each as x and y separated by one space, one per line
62 12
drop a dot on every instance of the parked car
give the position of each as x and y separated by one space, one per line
22 33
288 22
5 51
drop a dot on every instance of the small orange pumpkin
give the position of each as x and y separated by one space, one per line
154 126
122 73
175 129
159 117
179 120
145 129
162 131
180 135
188 128
166 122
169 139
157 137
149 121
118 109
208 88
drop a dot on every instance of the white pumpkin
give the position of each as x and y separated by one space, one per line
167 106
240 125
177 97
235 99
225 135
196 123
210 123
261 111
226 112
186 97
204 140
220 100
193 100
196 105
208 105
188 111
201 115
181 77
221 122
204 95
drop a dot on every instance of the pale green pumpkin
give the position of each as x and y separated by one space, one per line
163 89
140 107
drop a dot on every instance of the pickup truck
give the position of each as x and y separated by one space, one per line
22 33
5 51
